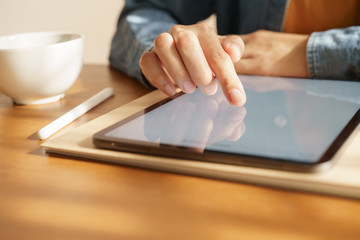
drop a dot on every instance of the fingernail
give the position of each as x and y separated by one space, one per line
210 89
169 90
188 87
236 97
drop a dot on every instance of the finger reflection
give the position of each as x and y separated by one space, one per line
195 121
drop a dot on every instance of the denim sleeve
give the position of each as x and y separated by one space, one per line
141 21
335 54
135 34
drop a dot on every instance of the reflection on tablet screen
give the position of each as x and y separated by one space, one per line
292 119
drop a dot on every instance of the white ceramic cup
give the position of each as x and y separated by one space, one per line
37 68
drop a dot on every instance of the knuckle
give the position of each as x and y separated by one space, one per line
205 27
185 39
259 34
176 28
163 40
219 56
180 76
227 82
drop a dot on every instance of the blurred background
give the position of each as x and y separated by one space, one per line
95 19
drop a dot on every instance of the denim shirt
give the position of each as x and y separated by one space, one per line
332 54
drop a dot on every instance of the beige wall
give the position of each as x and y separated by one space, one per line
95 19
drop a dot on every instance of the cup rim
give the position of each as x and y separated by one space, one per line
76 37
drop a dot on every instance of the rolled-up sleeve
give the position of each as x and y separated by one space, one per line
335 54
135 34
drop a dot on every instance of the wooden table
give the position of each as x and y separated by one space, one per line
54 197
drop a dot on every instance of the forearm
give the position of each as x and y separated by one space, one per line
334 54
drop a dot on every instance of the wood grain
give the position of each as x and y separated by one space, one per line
52 197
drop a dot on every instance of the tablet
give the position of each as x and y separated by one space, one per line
286 124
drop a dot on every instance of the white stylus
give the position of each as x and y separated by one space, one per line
74 113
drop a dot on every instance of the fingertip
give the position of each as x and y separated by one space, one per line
211 89
234 52
188 87
235 56
169 90
237 133
234 46
237 97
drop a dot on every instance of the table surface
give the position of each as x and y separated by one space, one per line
56 197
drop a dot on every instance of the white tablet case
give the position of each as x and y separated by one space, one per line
343 179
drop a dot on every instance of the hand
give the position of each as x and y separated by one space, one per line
274 54
190 56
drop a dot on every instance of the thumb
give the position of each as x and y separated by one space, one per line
233 45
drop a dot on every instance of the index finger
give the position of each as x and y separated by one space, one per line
221 64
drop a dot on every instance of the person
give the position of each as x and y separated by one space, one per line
165 44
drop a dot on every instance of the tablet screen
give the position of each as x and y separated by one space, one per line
286 119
